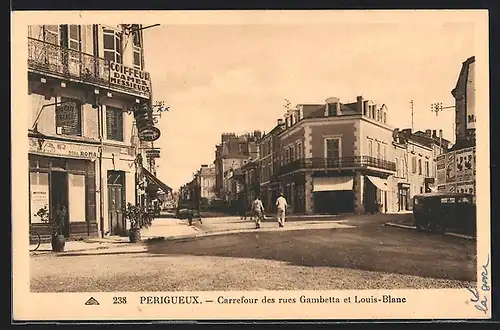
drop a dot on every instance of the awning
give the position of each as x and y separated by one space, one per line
379 183
166 189
333 183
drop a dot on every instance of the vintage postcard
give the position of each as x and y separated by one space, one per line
258 165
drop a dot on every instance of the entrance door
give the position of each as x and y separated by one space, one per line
115 214
59 196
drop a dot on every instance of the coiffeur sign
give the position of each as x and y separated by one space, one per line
149 134
135 79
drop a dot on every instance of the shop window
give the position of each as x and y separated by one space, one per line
114 124
112 45
76 197
39 194
69 117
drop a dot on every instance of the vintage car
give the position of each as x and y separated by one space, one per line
437 212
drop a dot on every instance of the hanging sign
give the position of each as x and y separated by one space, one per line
153 153
149 134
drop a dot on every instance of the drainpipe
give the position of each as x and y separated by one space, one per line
101 195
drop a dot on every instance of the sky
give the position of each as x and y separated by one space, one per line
235 78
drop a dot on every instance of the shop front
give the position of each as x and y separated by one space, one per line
333 194
63 174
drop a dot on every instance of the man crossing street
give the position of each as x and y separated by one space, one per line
258 211
281 206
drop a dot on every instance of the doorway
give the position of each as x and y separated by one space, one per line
116 222
59 196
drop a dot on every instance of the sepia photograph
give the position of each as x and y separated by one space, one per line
241 160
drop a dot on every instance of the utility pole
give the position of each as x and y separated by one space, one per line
437 107
411 106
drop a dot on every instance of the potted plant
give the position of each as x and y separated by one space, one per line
58 241
138 219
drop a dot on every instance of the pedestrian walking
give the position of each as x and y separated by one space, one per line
281 206
258 211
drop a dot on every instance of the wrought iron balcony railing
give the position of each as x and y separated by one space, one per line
71 64
337 163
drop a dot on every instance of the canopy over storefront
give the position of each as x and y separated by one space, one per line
333 183
151 178
379 183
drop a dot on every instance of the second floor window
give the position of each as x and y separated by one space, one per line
112 45
420 167
370 148
137 46
51 34
292 153
385 153
332 148
378 151
414 164
299 151
114 124
398 172
69 117
427 172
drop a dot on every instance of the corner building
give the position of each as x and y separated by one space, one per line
83 83
335 157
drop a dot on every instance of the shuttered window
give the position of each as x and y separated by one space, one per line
69 117
114 124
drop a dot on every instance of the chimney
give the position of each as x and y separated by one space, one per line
359 104
204 165
280 122
428 132
434 135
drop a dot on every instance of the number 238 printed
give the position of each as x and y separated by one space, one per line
119 300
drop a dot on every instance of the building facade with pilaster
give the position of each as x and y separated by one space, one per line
84 84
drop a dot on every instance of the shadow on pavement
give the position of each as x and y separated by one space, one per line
93 253
372 248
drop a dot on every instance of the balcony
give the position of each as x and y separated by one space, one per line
64 63
357 162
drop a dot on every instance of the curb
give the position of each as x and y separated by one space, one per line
467 237
222 232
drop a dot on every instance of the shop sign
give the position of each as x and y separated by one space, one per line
464 164
149 134
130 78
65 149
153 153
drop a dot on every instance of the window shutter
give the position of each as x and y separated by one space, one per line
91 194
114 124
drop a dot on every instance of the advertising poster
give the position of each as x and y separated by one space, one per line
466 187
39 194
474 161
463 161
451 188
441 169
441 188
450 167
